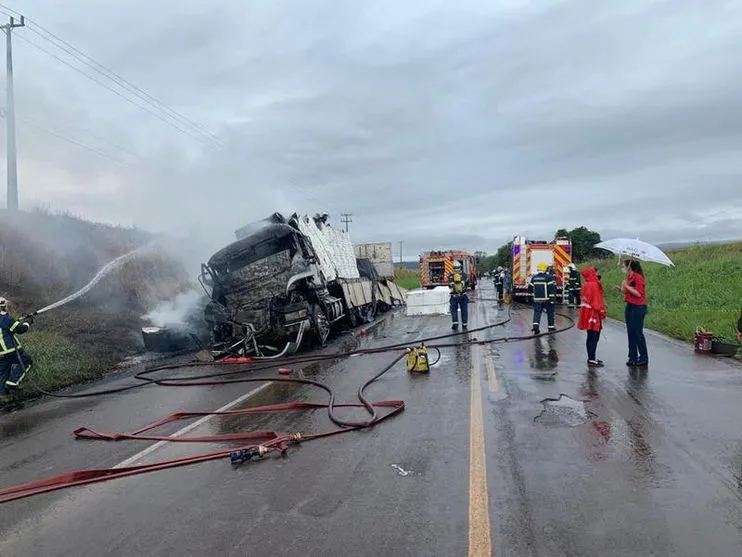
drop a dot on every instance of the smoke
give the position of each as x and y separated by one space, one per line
184 310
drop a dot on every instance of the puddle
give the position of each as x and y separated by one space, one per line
563 412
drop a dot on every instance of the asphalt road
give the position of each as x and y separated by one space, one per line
513 449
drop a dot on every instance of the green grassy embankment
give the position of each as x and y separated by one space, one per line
406 278
45 257
704 289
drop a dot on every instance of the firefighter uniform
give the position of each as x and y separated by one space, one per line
458 299
499 283
11 350
573 286
543 291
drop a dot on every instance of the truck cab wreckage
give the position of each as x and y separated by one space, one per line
287 282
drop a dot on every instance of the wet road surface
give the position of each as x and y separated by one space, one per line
510 449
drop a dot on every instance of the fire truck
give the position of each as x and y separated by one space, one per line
527 254
437 266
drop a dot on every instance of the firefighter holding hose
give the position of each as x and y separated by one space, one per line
11 351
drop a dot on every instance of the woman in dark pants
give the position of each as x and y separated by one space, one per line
634 288
592 313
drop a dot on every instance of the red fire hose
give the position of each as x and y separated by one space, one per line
266 441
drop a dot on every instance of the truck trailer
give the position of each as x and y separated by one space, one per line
527 254
286 282
380 255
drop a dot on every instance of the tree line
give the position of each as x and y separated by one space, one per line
583 248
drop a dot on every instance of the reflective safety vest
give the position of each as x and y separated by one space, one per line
575 281
457 284
543 287
9 327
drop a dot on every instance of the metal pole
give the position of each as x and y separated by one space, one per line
12 163
400 251
346 219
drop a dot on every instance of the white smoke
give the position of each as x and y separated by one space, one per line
175 311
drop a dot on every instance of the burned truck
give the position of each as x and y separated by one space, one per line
286 283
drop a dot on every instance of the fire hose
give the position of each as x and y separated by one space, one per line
261 443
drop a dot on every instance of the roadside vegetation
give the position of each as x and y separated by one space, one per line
704 289
45 257
406 278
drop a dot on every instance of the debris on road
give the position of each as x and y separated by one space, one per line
401 471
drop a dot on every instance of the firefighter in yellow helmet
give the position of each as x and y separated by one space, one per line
543 293
458 299
11 352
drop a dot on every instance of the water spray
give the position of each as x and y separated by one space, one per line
105 270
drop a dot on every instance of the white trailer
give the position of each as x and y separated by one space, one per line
380 255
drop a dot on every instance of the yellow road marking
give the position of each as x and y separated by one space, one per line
480 542
494 386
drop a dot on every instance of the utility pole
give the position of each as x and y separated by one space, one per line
12 163
346 219
400 251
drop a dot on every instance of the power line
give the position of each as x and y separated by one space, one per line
123 83
118 93
91 62
73 141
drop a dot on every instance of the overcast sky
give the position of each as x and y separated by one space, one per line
442 124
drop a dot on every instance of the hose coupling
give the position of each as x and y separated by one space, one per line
243 455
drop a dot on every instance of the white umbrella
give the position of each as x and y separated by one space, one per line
636 248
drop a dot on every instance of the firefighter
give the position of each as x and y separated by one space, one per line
11 351
543 291
573 286
499 283
459 299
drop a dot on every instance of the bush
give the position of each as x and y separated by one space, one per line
406 278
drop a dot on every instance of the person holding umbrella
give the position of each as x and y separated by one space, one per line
634 288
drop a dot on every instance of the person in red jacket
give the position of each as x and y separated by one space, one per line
592 313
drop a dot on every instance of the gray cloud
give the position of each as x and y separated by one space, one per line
443 125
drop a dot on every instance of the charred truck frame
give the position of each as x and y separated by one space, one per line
285 280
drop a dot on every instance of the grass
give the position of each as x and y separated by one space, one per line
60 362
704 289
406 278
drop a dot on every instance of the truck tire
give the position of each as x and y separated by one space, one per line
320 325
353 317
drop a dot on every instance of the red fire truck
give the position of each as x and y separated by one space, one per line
437 266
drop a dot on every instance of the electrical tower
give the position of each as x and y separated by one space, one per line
10 152
346 219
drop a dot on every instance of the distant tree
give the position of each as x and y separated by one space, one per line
487 263
504 255
561 233
583 244
479 255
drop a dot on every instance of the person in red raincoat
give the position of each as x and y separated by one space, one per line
592 313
